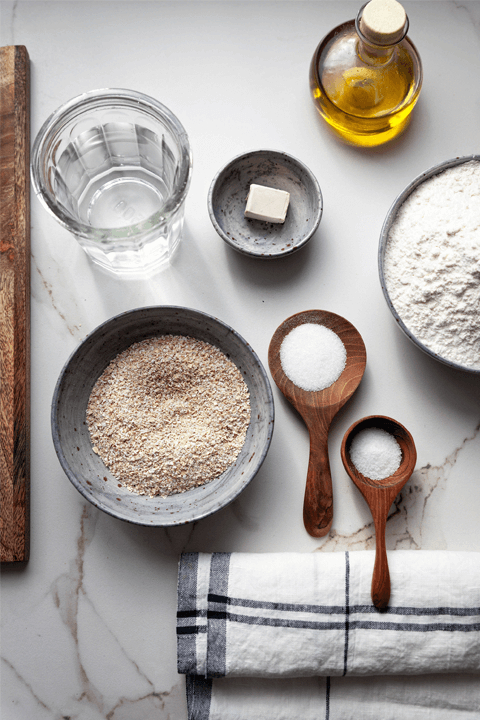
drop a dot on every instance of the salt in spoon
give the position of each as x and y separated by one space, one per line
380 494
318 408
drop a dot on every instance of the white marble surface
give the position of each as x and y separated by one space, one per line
89 624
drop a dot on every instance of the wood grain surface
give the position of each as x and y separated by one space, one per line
319 408
380 494
14 304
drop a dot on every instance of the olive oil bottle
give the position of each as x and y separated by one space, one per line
366 75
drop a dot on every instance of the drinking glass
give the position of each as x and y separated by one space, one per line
113 166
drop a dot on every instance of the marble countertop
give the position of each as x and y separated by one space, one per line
89 624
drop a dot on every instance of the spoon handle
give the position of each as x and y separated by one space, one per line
318 501
381 573
380 501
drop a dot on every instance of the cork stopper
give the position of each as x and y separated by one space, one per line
383 22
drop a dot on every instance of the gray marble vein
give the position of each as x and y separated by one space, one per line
410 511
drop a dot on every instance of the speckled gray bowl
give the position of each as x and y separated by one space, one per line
72 440
389 220
228 195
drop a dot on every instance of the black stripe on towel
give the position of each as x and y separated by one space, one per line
286 607
187 600
327 699
347 610
191 629
418 611
216 616
191 613
340 609
225 617
280 622
199 697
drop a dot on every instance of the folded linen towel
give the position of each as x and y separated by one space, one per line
384 697
310 614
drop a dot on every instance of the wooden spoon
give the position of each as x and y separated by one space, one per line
380 494
318 408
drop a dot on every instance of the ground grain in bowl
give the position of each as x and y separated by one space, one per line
168 414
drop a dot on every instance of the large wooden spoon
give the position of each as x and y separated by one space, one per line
318 408
380 494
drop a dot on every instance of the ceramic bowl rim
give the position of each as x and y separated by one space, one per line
92 498
295 161
387 224
144 104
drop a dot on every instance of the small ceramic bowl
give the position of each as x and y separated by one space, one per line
228 195
71 437
387 225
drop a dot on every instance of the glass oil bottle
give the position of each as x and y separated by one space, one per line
366 75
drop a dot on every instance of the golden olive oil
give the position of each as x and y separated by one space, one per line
364 92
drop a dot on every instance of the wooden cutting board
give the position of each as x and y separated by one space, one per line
14 304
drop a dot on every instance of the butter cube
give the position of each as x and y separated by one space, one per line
267 204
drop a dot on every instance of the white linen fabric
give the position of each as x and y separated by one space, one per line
275 635
381 697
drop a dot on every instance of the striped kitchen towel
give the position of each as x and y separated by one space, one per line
306 614
299 616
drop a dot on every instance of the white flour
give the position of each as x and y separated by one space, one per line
432 264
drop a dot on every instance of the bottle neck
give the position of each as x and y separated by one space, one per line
374 54
372 50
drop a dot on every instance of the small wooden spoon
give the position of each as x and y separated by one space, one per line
380 494
318 408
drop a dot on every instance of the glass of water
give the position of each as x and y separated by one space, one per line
113 167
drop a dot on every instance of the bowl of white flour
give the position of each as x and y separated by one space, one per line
429 262
162 416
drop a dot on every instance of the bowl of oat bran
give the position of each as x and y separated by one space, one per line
429 262
162 416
